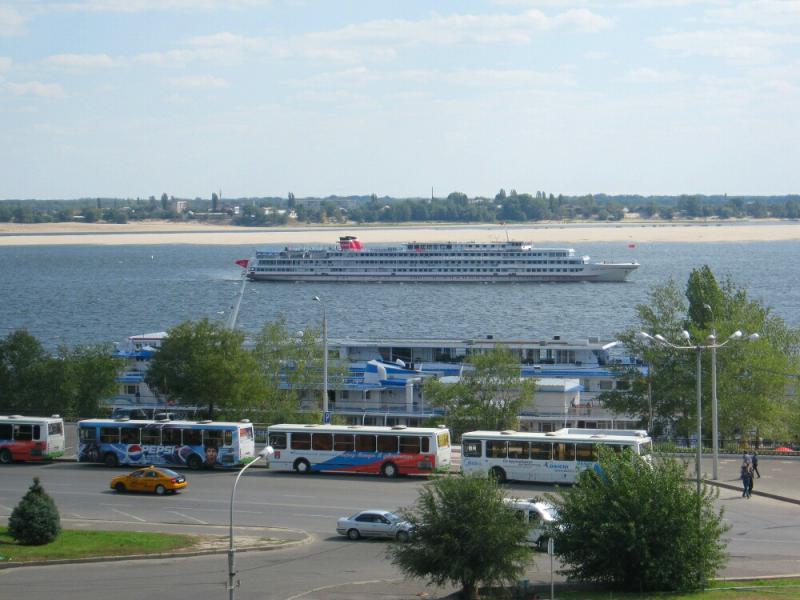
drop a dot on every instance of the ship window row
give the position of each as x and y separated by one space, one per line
404 255
419 270
426 262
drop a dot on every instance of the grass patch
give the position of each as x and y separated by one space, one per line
72 544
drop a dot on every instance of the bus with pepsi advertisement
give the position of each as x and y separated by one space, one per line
30 438
193 444
389 451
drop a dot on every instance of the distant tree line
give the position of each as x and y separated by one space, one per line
457 207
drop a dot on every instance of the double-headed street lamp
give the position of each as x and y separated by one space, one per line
265 454
698 348
324 358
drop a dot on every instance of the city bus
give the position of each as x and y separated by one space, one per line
193 444
31 438
390 451
552 457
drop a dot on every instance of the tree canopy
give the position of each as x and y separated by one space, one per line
463 534
752 376
638 526
489 394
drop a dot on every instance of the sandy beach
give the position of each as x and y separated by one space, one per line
570 234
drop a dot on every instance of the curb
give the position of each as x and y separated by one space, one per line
738 488
280 545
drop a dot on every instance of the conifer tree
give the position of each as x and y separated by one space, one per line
35 520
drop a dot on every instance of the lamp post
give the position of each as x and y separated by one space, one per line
324 358
265 453
698 348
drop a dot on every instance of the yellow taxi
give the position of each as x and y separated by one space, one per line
151 479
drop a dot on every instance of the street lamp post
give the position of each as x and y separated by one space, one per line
698 348
265 453
324 358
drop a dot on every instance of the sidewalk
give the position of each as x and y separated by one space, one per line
780 475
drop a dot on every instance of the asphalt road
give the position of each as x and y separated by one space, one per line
763 540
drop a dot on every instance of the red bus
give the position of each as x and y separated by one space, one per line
31 438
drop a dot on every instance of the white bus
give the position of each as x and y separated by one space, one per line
31 438
553 457
390 451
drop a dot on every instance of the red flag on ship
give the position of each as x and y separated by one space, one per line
243 262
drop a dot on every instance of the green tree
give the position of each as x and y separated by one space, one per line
291 367
203 364
89 377
22 372
35 520
464 534
489 394
638 526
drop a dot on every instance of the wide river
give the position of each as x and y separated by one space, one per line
87 294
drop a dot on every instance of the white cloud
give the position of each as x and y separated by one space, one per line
648 75
735 45
5 63
11 22
36 88
135 6
758 13
198 82
79 60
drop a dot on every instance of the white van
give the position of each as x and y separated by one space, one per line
537 514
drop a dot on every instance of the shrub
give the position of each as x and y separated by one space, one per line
35 520
639 526
464 534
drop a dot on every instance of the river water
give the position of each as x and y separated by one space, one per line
88 294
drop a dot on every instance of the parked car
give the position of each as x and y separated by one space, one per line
374 523
150 479
538 515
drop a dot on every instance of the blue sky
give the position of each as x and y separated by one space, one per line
132 98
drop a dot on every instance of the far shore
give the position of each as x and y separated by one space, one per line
571 234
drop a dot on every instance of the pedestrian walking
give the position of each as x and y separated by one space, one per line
746 475
754 461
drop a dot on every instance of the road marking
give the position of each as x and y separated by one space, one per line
293 496
129 515
77 516
308 515
175 512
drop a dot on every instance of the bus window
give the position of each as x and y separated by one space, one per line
563 451
109 435
496 449
343 442
301 441
541 451
192 437
586 452
244 434
171 437
426 444
86 434
55 428
23 433
409 444
130 435
277 441
212 437
387 443
518 449
151 435
322 441
5 431
37 432
471 448
443 439
365 443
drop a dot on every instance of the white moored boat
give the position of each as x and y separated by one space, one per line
492 262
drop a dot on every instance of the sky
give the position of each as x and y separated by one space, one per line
406 98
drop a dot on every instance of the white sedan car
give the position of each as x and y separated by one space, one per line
374 523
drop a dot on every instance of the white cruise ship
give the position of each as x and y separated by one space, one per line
494 262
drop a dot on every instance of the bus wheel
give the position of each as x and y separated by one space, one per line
120 487
302 466
497 474
110 460
389 470
5 456
194 462
160 490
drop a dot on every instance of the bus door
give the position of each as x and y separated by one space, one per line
585 457
541 457
519 458
563 466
